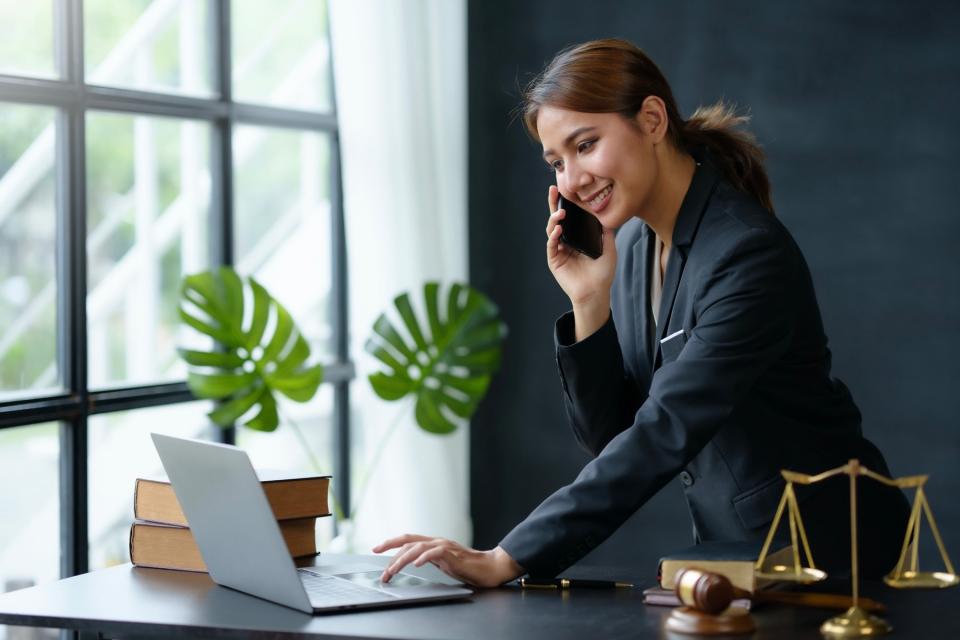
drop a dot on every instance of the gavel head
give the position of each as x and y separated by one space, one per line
704 591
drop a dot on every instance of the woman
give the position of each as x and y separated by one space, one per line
694 346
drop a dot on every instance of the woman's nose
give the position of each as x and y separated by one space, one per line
576 179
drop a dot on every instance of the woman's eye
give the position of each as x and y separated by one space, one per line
585 145
556 165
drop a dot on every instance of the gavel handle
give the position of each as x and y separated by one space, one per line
816 600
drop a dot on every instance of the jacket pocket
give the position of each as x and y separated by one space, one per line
757 506
672 345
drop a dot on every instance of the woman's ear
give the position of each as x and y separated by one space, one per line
652 118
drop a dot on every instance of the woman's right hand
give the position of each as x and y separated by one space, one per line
586 281
479 568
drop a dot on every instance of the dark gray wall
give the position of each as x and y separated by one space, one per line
856 105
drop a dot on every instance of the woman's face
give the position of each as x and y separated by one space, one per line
603 162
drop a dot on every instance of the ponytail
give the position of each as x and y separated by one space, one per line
615 76
734 149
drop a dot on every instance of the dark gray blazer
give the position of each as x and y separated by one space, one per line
729 387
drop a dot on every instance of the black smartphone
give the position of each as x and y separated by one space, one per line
581 229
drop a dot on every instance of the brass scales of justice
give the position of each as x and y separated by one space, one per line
856 622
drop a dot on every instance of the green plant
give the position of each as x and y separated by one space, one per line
449 370
445 370
249 363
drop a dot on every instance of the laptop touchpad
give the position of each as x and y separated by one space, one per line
402 581
372 579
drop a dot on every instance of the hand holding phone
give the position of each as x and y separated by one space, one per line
586 282
581 230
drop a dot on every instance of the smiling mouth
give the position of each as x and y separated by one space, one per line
598 201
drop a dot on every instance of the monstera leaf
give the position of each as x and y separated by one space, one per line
450 362
251 362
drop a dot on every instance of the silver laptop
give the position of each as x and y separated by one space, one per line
243 548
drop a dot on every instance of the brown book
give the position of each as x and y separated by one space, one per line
163 546
735 560
668 598
290 497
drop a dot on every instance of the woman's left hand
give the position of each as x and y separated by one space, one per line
478 568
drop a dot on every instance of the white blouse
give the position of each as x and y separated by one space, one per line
656 282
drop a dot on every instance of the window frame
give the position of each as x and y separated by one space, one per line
73 98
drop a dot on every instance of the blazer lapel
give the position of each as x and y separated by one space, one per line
642 252
671 281
688 219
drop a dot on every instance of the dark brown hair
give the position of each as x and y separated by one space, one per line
615 76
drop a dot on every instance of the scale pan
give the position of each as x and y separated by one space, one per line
786 573
922 580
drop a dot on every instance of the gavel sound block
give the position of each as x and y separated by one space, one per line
706 598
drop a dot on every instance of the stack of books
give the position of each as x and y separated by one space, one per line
160 536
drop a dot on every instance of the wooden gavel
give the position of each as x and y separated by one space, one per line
704 591
712 593
706 598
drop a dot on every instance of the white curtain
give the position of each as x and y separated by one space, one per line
400 80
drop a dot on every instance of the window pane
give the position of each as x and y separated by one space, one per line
120 452
30 526
152 45
28 283
148 197
281 53
283 448
282 222
26 48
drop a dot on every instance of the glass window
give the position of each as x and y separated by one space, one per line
26 48
120 452
283 222
28 281
281 53
150 182
30 526
148 194
152 45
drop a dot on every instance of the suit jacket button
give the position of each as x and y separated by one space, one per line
686 479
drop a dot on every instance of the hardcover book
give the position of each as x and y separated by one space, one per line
164 546
290 498
733 559
668 598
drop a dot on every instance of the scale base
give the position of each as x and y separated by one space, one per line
922 580
855 623
732 622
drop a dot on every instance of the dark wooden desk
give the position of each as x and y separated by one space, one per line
126 601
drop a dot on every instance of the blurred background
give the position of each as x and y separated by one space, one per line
343 152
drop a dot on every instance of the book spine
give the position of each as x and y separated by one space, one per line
158 502
740 575
181 553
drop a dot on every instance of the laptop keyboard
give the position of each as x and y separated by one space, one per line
331 591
